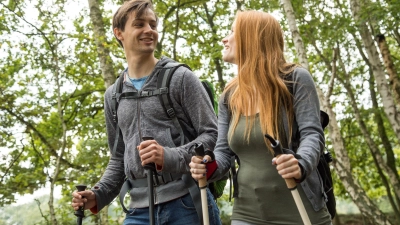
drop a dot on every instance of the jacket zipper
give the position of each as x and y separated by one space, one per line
140 136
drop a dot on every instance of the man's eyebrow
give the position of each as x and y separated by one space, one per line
141 19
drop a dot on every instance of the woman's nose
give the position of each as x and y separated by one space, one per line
224 40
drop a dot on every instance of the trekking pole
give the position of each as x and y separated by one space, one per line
290 183
150 168
80 212
199 149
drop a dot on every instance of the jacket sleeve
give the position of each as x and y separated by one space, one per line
111 182
307 112
223 154
201 119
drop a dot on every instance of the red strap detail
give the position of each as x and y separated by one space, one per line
94 209
211 167
158 167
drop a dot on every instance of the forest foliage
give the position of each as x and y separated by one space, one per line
59 56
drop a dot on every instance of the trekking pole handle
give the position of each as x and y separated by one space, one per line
80 213
276 146
199 149
149 166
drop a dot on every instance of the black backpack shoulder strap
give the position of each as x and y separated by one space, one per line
292 143
324 117
117 89
207 86
163 82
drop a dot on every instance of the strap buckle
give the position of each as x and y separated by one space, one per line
163 90
156 180
145 93
171 112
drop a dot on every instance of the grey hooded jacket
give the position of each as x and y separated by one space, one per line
143 117
307 113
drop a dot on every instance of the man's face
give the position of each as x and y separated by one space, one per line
140 34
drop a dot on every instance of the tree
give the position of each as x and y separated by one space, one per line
342 163
57 61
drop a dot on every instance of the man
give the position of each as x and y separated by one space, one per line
135 27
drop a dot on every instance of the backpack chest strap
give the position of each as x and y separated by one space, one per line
140 94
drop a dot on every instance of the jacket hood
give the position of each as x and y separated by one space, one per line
162 62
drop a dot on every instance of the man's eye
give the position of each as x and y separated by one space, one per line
138 24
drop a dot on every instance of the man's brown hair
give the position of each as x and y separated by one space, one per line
122 14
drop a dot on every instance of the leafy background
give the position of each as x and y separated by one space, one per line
59 56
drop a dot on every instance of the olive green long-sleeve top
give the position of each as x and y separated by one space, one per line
263 195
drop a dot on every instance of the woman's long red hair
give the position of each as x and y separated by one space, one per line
258 86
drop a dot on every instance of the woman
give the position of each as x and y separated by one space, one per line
258 102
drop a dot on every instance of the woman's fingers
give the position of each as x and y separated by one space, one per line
197 168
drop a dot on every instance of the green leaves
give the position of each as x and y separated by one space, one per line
51 84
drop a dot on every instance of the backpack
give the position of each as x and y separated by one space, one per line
325 158
216 187
162 91
322 167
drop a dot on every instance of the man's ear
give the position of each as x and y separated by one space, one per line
118 34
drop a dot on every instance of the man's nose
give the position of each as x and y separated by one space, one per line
147 28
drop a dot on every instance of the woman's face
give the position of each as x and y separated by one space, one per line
229 42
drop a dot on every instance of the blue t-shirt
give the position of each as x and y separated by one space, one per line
138 83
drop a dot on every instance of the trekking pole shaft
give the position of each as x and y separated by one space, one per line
203 187
150 167
290 183
300 207
203 194
151 196
292 186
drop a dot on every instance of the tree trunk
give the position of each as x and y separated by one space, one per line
343 170
175 40
375 153
103 52
386 145
379 121
394 178
394 81
217 60
297 40
396 36
63 141
387 98
100 38
342 163
336 220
